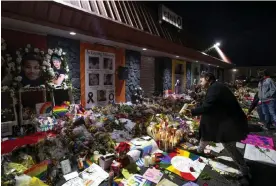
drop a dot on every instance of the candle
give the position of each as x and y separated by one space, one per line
147 161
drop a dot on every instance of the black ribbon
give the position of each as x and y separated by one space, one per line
90 98
111 97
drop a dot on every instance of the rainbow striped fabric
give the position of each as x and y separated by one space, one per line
181 162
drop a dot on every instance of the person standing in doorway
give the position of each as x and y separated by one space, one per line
267 96
222 121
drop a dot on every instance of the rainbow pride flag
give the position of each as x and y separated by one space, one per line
39 170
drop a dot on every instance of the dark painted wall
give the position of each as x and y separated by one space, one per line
188 74
133 62
163 74
72 49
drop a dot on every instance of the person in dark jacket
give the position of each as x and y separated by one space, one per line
222 121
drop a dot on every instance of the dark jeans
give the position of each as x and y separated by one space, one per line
261 114
269 110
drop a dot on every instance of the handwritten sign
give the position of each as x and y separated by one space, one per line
153 175
255 154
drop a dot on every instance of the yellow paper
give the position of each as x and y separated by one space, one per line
36 182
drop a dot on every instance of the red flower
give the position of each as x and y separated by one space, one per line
123 147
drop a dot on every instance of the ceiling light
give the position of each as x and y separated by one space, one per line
72 33
217 66
234 70
177 56
196 61
208 64
144 49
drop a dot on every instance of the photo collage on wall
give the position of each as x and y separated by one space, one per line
99 78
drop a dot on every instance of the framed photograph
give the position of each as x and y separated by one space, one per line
94 79
101 95
93 63
108 63
108 79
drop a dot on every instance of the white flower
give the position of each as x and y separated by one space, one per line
56 51
19 68
3 47
26 50
44 68
9 58
17 52
66 76
11 66
61 58
42 52
60 50
36 50
50 51
14 83
46 63
18 78
59 53
4 88
64 53
28 46
48 56
18 60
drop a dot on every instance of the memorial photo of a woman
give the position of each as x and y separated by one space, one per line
31 70
59 71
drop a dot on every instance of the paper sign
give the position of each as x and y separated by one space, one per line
255 154
71 176
153 175
190 184
74 182
166 182
93 175
135 179
65 166
240 145
218 148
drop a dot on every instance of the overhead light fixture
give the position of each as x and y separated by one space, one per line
196 61
72 33
177 56
234 70
208 64
217 66
144 49
217 45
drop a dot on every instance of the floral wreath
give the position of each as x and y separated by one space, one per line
63 58
10 67
48 71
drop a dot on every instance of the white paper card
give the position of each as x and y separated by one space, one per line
94 175
74 182
253 153
71 176
219 147
240 145
65 166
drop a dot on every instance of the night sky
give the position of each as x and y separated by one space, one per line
246 30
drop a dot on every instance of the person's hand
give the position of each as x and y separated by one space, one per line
188 112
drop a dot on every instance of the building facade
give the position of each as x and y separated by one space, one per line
138 38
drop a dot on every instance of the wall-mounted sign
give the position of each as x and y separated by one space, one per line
169 16
99 78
